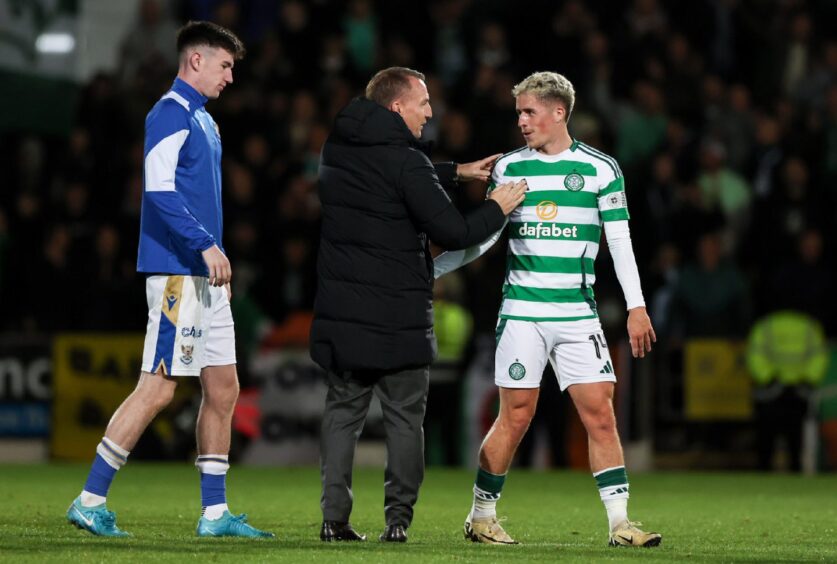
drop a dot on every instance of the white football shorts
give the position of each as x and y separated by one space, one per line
577 350
190 326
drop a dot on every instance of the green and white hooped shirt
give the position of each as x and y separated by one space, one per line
554 235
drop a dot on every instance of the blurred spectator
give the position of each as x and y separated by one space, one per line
449 45
270 64
31 165
767 155
453 326
455 143
227 13
297 32
711 296
797 54
78 163
571 25
335 60
683 75
43 307
812 92
288 283
658 206
149 43
692 218
662 286
646 20
110 279
361 27
304 113
723 187
76 215
642 128
492 50
805 283
787 356
792 209
736 130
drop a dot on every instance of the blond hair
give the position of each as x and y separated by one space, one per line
548 86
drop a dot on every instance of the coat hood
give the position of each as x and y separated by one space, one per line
364 122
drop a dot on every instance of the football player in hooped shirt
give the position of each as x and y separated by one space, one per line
190 327
549 311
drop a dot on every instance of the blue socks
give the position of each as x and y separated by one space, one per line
110 457
100 477
213 469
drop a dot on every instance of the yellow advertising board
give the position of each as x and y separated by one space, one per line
92 375
716 382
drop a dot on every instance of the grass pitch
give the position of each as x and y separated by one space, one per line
555 516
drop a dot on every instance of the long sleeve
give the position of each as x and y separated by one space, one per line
619 242
452 260
436 215
165 135
446 171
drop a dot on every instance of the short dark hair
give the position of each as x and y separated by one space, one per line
389 84
212 35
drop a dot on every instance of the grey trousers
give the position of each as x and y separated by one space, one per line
403 397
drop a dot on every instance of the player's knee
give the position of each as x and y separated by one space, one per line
159 397
601 422
222 397
155 391
518 418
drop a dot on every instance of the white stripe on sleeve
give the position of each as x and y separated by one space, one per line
161 162
177 98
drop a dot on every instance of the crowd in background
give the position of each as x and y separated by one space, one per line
721 113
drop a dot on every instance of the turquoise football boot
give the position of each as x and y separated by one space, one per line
229 525
97 520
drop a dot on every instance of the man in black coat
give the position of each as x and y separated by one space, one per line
382 203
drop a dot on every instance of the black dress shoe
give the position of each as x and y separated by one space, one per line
338 531
394 533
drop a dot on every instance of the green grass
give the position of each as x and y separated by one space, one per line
555 515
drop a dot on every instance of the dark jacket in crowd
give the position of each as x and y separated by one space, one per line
382 199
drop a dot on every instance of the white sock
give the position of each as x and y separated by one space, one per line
90 499
213 512
617 511
485 504
614 491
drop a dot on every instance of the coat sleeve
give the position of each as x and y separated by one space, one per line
447 174
434 213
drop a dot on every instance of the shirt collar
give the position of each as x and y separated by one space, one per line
196 99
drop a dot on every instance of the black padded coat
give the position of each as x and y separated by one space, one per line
382 199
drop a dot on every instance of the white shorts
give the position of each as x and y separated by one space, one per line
577 350
190 326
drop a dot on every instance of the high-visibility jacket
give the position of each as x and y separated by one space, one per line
787 346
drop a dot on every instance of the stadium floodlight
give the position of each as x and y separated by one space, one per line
55 43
